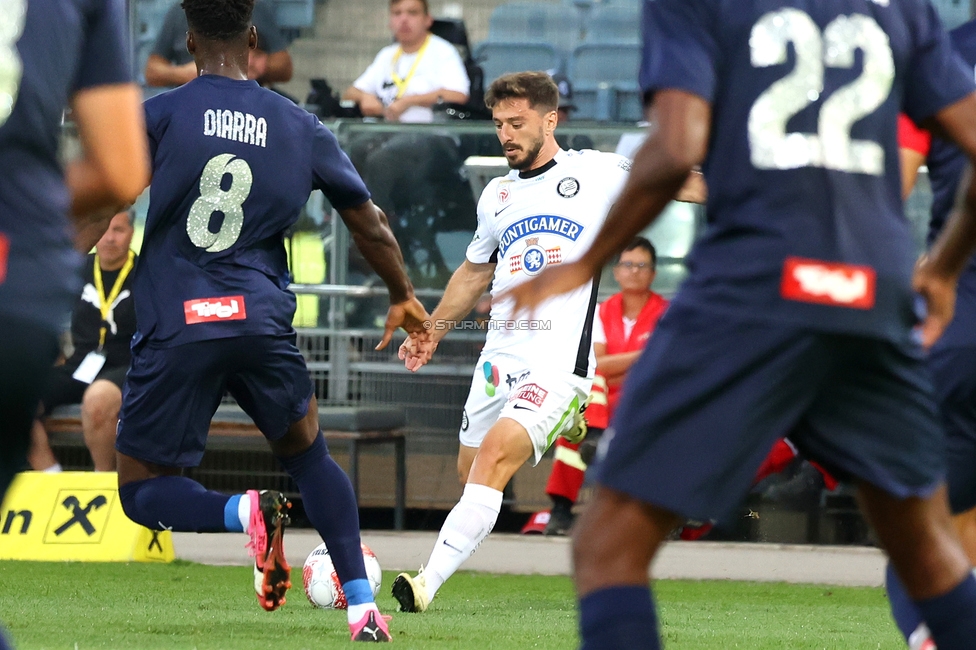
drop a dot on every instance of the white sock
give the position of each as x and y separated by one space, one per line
355 613
53 469
244 510
467 525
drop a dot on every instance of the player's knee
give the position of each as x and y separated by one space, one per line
132 503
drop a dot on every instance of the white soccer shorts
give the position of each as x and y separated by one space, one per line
541 401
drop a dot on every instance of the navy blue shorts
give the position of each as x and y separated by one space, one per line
954 375
171 394
710 395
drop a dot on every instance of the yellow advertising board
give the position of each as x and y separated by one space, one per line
74 516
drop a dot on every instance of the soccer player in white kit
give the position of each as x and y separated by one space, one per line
533 376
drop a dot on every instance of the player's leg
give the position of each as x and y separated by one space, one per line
169 398
918 535
954 378
476 512
274 388
614 543
685 443
505 448
876 419
465 460
99 421
27 352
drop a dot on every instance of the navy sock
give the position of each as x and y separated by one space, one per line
903 609
330 505
952 617
174 503
4 642
619 617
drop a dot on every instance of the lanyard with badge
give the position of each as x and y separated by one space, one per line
401 84
93 362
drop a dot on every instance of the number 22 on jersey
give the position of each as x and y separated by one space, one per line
214 198
771 147
12 16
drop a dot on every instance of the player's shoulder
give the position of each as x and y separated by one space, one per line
492 193
964 40
603 161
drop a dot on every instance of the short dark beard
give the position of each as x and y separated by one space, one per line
533 153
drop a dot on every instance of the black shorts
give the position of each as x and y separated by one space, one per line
171 394
710 396
62 389
27 352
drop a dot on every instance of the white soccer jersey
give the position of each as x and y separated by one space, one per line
526 224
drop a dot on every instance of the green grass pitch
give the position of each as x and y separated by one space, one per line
186 605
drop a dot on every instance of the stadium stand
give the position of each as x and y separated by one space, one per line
535 22
498 58
616 23
604 77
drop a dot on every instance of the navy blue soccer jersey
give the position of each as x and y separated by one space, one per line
805 219
947 163
49 49
233 164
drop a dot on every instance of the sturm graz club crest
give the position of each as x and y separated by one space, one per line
535 258
567 187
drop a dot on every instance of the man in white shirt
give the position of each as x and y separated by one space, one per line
533 376
407 78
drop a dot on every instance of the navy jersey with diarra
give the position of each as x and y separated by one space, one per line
233 163
49 49
947 163
805 219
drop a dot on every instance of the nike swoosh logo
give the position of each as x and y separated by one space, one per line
498 212
524 408
452 547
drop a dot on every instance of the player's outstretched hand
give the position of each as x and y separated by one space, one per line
410 315
555 280
939 293
416 351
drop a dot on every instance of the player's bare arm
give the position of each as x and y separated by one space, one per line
374 239
114 167
160 72
465 287
677 143
937 273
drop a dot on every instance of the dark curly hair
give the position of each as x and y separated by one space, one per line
220 20
537 87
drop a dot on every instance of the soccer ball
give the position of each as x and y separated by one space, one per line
322 584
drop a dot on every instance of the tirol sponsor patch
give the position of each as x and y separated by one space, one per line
828 283
211 310
532 393
4 254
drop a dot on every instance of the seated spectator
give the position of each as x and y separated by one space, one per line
102 324
407 78
170 64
